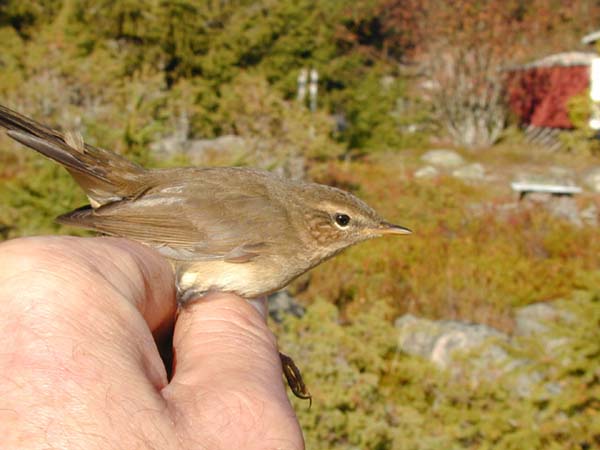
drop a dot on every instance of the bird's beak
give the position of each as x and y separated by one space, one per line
390 228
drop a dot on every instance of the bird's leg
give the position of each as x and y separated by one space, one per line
294 378
189 295
290 370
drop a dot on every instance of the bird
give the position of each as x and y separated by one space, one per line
231 229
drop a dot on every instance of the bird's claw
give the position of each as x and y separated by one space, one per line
294 378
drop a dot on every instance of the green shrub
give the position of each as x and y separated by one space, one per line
281 129
581 140
30 201
366 395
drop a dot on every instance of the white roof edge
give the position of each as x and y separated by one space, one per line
563 59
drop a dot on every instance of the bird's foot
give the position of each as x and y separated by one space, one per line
294 378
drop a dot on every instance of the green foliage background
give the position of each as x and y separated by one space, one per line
375 398
123 72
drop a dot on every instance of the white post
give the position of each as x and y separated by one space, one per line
302 79
313 89
594 121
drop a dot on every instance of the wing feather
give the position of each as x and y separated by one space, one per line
230 225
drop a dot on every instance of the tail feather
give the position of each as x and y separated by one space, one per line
78 217
104 175
53 151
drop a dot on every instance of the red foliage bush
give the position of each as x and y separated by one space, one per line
539 95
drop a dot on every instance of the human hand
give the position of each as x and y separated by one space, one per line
80 368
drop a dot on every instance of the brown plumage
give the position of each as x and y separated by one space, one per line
227 228
231 229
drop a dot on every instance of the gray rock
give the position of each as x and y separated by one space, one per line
592 179
440 341
565 207
447 159
169 146
230 149
534 319
281 303
554 175
589 215
490 351
471 172
196 149
225 143
444 343
427 172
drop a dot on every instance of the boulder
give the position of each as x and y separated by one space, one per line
490 354
470 172
565 208
535 319
198 149
554 175
226 143
447 159
441 341
282 303
427 172
444 343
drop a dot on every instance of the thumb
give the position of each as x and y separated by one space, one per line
227 376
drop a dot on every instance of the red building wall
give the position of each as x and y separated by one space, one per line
539 95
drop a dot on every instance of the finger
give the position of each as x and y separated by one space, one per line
147 279
75 319
227 371
91 288
137 274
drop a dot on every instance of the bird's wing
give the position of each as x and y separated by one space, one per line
192 221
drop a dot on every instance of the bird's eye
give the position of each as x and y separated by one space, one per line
342 220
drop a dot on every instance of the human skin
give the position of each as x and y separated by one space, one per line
80 368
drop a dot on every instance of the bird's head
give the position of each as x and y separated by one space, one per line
337 219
